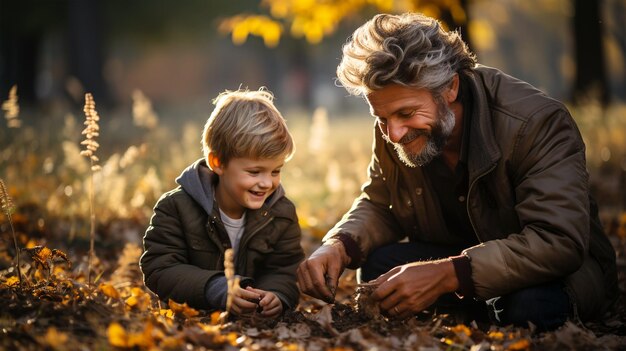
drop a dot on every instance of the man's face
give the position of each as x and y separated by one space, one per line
417 124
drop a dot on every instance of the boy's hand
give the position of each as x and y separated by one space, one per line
245 301
269 304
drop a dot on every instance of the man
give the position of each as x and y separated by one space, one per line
482 172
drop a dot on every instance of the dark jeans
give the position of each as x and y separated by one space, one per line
547 305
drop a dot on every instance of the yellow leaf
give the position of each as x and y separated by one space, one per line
44 253
211 329
271 34
240 33
313 33
279 9
460 328
109 290
216 317
132 301
231 338
171 342
54 338
138 299
182 308
117 335
519 345
175 306
483 36
166 313
12 281
142 339
495 335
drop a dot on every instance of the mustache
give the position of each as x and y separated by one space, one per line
413 134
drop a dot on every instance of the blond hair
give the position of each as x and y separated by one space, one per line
246 123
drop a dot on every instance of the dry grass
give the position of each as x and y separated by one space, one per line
49 180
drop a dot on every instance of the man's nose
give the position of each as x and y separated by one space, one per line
395 130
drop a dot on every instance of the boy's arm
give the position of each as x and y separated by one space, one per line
278 274
165 263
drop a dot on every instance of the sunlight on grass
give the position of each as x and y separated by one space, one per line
43 168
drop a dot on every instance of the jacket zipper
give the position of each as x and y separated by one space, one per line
211 226
467 205
248 238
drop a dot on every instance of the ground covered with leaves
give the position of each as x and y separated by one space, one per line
61 301
53 307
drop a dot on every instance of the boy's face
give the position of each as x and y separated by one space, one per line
245 183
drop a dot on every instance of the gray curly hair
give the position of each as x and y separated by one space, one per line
411 49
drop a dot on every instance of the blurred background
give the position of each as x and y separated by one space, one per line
154 67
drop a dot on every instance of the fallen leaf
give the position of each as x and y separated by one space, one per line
117 335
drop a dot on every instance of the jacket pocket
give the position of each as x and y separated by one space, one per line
257 253
205 254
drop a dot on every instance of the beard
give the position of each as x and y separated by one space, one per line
436 138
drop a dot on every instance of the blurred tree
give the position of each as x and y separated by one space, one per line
22 27
315 19
591 80
85 41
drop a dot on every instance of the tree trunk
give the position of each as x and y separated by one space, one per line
85 47
591 80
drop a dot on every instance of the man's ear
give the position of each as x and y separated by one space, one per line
452 91
214 163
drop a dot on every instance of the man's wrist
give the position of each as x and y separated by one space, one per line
463 270
351 254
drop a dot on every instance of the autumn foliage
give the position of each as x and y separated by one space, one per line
56 305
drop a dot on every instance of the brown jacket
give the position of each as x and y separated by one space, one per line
528 199
185 243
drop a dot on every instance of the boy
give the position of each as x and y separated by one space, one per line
231 198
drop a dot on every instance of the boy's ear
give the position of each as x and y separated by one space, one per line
214 163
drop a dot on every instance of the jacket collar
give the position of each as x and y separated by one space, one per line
483 150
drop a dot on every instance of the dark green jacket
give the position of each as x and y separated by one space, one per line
528 199
185 243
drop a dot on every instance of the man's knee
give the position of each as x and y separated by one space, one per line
546 306
378 262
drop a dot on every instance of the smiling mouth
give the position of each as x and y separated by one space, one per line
257 193
412 135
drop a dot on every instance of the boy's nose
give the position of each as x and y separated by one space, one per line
265 182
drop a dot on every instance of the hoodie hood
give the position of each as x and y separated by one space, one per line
199 182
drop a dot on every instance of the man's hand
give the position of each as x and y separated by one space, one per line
319 274
408 289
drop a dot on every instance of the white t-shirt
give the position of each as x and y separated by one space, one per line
234 228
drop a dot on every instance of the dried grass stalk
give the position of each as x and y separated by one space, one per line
91 131
231 278
12 109
143 114
7 207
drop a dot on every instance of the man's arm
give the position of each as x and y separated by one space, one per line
550 181
367 225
